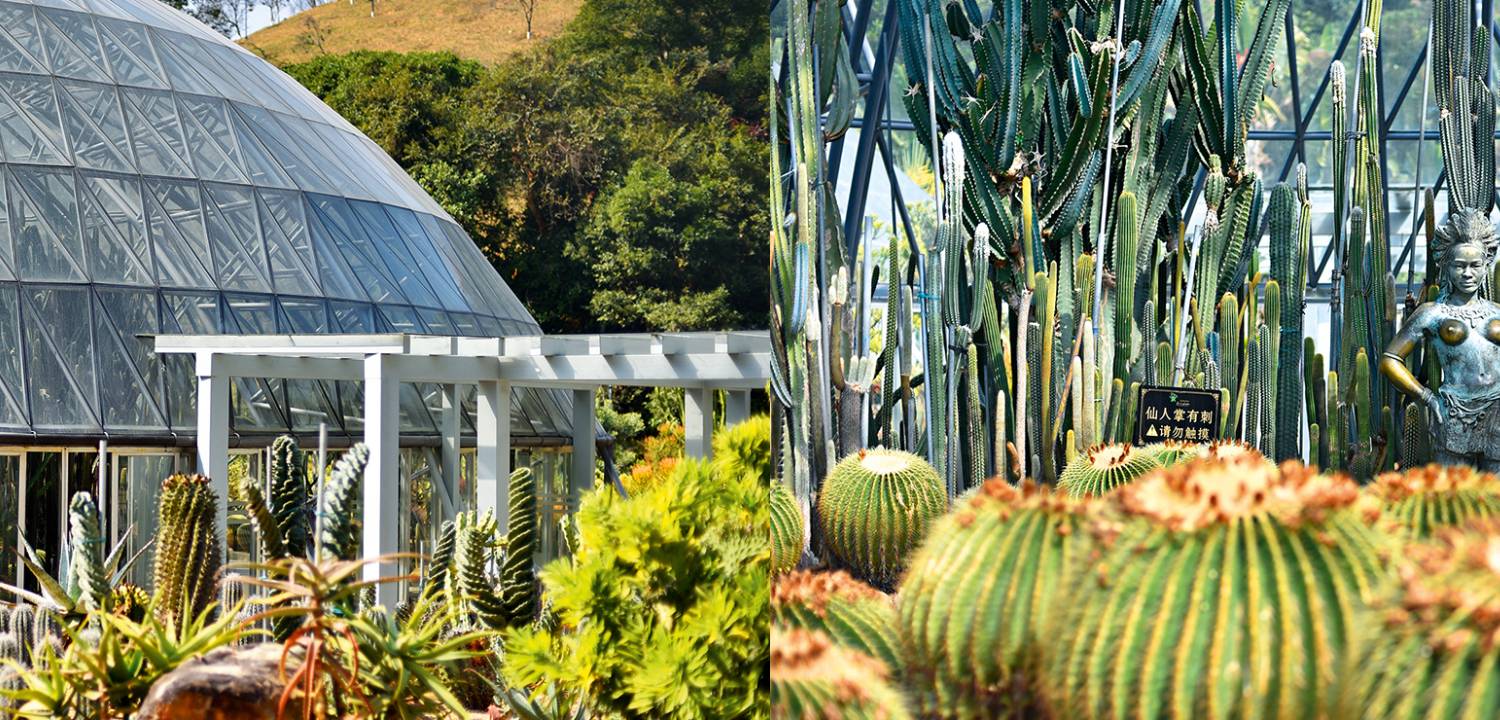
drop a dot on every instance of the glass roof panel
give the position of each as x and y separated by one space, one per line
234 235
12 388
44 224
20 42
96 129
61 356
212 145
72 45
177 237
128 377
30 125
155 133
114 230
131 57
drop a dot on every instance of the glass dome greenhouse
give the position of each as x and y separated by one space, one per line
157 178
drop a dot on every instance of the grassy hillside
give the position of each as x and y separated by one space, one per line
483 30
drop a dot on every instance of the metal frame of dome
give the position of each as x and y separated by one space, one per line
157 178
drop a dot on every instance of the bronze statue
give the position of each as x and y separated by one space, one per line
1464 412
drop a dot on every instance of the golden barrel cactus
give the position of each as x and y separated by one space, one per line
875 507
850 612
1417 502
1103 468
786 529
812 678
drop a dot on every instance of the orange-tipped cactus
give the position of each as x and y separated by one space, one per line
1417 502
812 678
850 612
1103 468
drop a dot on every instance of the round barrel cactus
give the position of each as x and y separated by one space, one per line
1228 450
812 678
1103 468
1432 646
974 600
875 508
850 612
786 529
1417 502
1223 588
1172 452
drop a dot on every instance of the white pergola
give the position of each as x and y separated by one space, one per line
701 363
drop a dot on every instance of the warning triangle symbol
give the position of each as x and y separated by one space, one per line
1151 431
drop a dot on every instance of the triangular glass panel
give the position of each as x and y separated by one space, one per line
20 43
383 238
155 133
91 117
208 135
414 415
30 126
127 398
179 67
12 386
253 314
355 245
61 353
351 317
338 279
464 325
398 319
72 45
250 71
114 230
309 404
130 54
175 221
437 321
301 316
304 169
44 222
7 263
211 68
288 244
433 265
263 168
234 236
366 180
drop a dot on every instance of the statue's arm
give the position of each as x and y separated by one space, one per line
1393 362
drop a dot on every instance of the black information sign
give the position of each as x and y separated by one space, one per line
1173 413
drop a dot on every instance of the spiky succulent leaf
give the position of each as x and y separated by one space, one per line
340 532
518 588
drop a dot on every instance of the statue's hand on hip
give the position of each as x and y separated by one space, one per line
1436 413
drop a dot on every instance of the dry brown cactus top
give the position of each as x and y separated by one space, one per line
813 590
809 656
1229 450
1212 490
1432 479
1108 455
998 496
1456 573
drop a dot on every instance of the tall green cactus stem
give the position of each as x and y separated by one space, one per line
1126 249
975 421
87 558
891 342
1363 416
975 606
261 518
187 549
1416 440
1269 379
339 538
875 508
1432 650
1231 338
1288 267
851 613
1172 621
472 554
291 496
1046 299
518 586
23 627
1148 343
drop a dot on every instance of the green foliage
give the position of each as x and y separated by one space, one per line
744 448
402 664
186 574
974 606
1224 587
662 607
1103 468
875 508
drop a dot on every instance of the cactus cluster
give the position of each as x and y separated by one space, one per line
186 575
1198 559
470 548
874 510
978 596
1433 649
1103 468
1419 501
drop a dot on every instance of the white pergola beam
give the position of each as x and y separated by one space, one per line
213 431
581 464
336 344
742 372
383 437
736 406
698 422
492 466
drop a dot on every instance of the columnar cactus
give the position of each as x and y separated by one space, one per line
291 496
811 677
1432 647
875 508
187 549
851 613
1419 501
1225 588
1103 468
87 557
339 538
518 586
786 529
977 597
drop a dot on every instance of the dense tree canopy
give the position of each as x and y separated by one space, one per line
615 176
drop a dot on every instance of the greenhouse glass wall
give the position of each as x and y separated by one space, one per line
156 178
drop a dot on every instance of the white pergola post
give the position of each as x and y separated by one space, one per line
492 469
581 470
213 434
383 437
450 451
736 406
698 422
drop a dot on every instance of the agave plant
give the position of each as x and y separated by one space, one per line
403 663
94 575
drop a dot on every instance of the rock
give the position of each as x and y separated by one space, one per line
230 683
